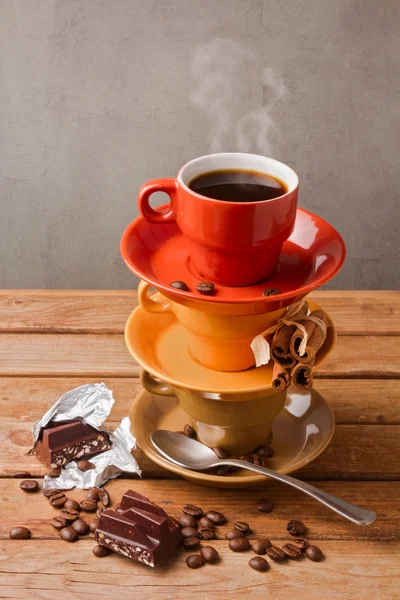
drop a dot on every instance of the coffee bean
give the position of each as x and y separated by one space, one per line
58 522
291 550
296 528
216 517
188 532
223 470
81 527
205 287
99 511
29 485
179 285
68 534
209 554
22 475
104 497
51 492
301 543
271 292
206 523
233 534
56 472
189 431
257 460
258 563
247 458
190 542
242 526
276 553
69 514
70 503
239 544
93 525
187 521
206 534
266 451
221 452
88 505
194 561
193 511
260 546
93 495
85 465
314 553
20 533
58 500
265 505
101 551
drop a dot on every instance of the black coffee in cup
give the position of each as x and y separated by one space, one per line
237 185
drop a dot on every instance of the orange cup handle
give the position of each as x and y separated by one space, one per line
153 306
155 386
166 215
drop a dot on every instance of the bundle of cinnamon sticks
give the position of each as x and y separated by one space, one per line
292 364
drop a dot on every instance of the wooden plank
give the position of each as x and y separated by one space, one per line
35 512
99 311
363 401
351 570
107 356
356 452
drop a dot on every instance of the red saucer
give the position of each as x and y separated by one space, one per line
312 255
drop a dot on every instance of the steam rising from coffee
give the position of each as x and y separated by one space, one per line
227 77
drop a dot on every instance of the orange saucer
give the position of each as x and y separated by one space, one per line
313 254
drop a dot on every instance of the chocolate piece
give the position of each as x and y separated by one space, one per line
141 530
59 443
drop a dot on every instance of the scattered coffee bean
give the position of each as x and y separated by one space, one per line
188 532
187 521
247 458
266 451
29 485
314 553
216 517
260 546
189 431
292 551
70 503
296 528
233 534
179 285
258 563
58 500
209 554
242 526
271 292
20 533
99 511
265 505
257 459
206 534
276 553
22 475
301 543
51 492
69 514
101 551
85 465
206 523
93 525
88 505
58 522
221 453
93 495
53 472
81 527
68 534
193 511
223 470
239 544
205 287
190 542
104 497
194 561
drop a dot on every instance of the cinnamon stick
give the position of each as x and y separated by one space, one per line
280 347
302 375
281 378
316 338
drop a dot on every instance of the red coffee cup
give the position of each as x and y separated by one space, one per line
232 244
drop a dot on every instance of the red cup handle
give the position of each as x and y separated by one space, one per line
167 215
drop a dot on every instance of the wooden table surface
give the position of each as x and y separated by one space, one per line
53 341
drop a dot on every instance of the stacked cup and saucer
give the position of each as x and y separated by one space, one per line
230 258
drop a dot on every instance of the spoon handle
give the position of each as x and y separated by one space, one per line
354 513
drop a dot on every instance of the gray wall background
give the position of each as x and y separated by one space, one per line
95 99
